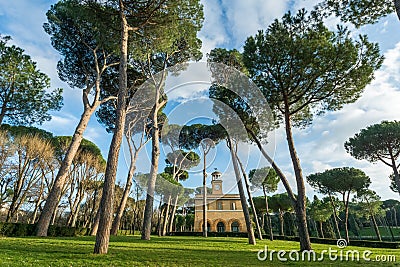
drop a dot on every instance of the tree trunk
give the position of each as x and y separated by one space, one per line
250 232
56 190
397 6
95 224
335 217
204 195
346 219
165 220
155 154
106 203
124 200
321 229
282 232
269 223
378 234
395 171
160 212
278 171
300 207
253 208
172 217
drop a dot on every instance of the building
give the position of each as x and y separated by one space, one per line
224 211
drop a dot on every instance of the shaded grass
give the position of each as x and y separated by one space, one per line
159 251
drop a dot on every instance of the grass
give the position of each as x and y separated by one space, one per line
160 251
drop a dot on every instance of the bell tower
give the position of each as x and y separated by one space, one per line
216 183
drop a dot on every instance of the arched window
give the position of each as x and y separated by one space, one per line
235 227
220 227
208 227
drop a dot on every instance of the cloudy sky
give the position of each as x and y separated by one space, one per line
227 24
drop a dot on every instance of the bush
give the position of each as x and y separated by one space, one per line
24 229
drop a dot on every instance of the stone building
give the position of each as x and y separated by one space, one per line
224 211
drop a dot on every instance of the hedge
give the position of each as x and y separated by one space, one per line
360 243
24 229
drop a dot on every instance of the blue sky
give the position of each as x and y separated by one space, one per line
227 24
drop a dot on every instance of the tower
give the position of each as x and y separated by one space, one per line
216 183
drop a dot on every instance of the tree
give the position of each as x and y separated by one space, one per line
84 41
268 179
344 181
205 137
320 211
392 206
178 161
304 69
378 142
281 203
33 150
368 204
359 12
7 150
253 209
25 97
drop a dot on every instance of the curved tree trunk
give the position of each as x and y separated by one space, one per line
165 219
95 224
397 6
300 206
124 199
250 232
172 217
57 188
376 228
253 208
269 223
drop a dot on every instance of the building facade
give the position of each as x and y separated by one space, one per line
224 211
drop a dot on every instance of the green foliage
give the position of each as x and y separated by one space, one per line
320 211
358 12
83 39
280 203
367 203
25 97
376 142
17 131
265 177
85 148
339 180
305 69
193 135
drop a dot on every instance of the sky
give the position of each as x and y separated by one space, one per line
227 24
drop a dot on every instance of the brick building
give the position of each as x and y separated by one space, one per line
224 211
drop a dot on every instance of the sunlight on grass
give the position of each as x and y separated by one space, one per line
159 251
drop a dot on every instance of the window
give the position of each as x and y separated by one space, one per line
220 227
208 227
235 227
233 206
219 205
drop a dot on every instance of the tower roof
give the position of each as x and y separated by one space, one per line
216 173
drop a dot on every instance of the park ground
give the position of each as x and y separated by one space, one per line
164 251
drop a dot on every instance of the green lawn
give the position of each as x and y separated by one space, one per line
165 251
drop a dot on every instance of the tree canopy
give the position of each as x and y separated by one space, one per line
359 12
378 142
25 94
